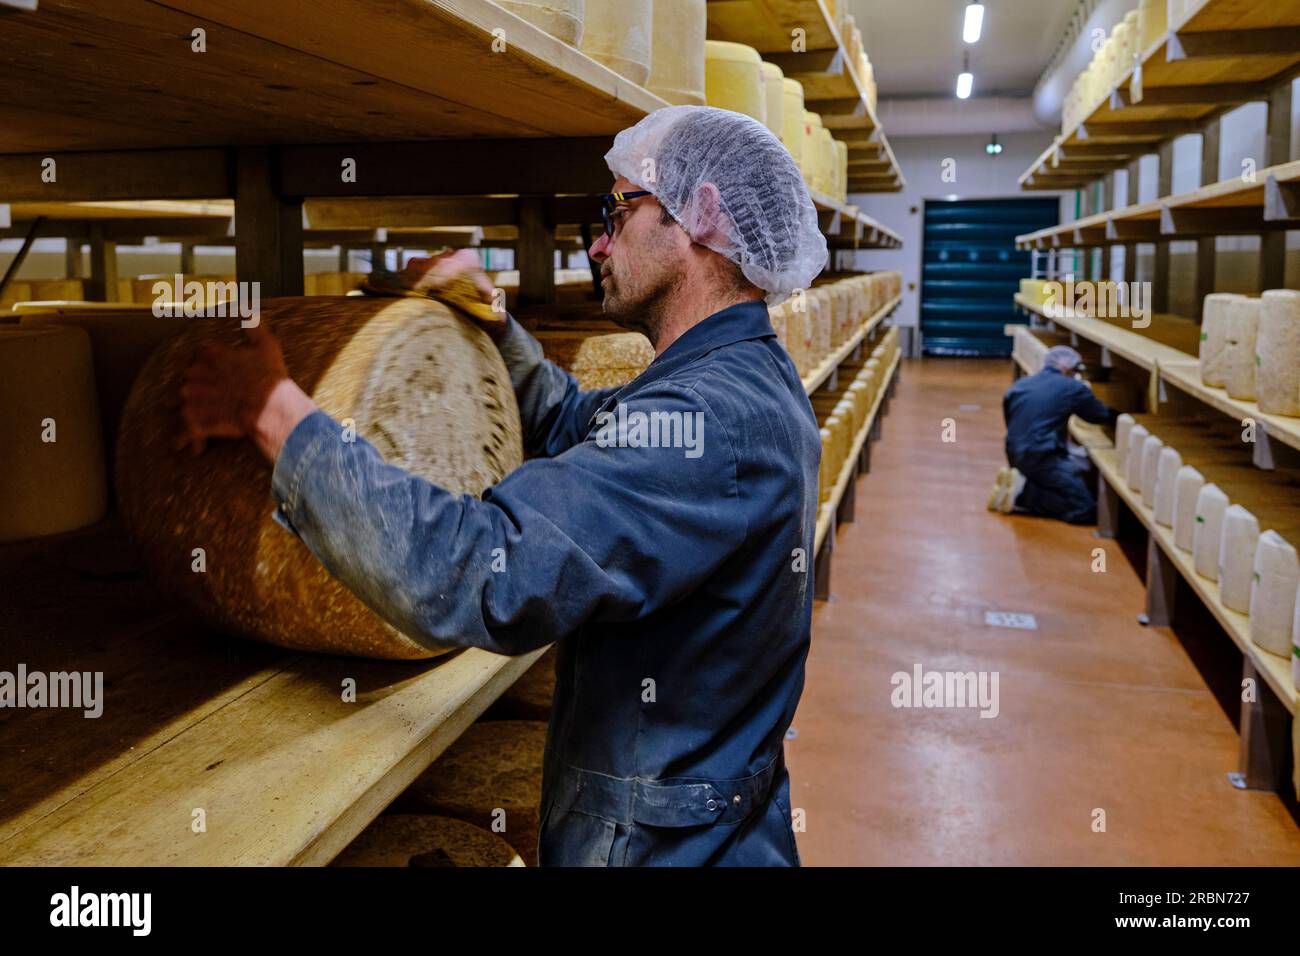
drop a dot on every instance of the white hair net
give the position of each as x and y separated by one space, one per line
1062 357
769 224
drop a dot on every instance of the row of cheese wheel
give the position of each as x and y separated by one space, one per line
739 79
1258 574
1251 348
842 412
814 322
1112 58
1028 348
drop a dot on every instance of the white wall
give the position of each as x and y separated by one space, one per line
978 176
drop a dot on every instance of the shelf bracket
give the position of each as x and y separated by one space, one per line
1261 453
1262 754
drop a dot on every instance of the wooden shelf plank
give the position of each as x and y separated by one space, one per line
334 71
1131 346
1186 376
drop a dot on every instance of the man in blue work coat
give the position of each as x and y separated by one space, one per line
1043 478
676 580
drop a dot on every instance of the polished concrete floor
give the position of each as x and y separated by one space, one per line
1100 721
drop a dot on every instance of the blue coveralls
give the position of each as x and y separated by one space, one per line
676 580
1037 410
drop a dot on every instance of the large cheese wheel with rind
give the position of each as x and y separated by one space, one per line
420 840
562 19
424 385
677 62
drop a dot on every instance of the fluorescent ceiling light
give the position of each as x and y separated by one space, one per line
970 31
964 83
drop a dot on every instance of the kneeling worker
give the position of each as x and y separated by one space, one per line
1043 478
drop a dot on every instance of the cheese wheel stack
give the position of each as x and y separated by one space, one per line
1237 544
52 463
1277 353
620 34
426 841
425 386
677 65
1273 593
733 78
1214 337
1211 504
562 19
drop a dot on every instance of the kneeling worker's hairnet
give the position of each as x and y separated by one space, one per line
1062 357
769 224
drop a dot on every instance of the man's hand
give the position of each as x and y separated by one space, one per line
437 272
233 392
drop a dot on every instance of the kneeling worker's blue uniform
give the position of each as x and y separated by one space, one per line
677 581
1037 410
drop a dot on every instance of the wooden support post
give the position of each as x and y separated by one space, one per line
102 285
1102 254
187 259
72 258
822 566
1162 584
536 252
1207 247
1277 150
344 255
1265 722
864 457
1108 505
378 257
1164 186
268 226
1130 248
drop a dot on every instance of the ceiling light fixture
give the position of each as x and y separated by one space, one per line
970 31
966 80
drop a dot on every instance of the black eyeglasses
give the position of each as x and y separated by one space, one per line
610 200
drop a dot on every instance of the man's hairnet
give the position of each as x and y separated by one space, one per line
769 223
1062 357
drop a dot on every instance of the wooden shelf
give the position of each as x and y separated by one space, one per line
122 75
1276 670
1271 201
1223 54
1131 346
817 378
849 227
257 737
849 470
1186 377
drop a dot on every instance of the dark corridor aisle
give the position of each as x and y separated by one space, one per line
1114 717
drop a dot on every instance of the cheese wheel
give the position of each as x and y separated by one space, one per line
1214 337
402 839
1239 358
1167 466
1273 593
52 458
827 161
1187 487
1211 503
531 696
620 34
1123 425
1151 448
792 110
841 170
811 153
677 66
1237 543
819 307
733 78
562 19
1277 353
120 343
427 387
1295 647
824 481
598 361
22 291
1152 19
58 290
773 97
494 765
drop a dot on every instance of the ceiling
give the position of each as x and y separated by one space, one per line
916 46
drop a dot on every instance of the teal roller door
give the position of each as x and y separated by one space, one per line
971 269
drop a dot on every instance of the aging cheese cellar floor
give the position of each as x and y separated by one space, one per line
1095 712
